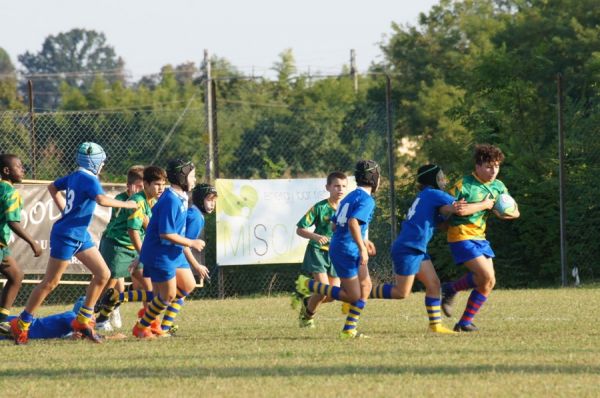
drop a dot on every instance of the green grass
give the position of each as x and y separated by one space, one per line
531 343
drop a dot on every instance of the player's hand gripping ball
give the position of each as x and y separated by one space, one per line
371 248
505 205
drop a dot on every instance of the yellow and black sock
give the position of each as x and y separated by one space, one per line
434 312
324 289
155 308
85 315
173 310
4 313
356 309
383 291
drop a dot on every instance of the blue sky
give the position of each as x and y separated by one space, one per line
250 34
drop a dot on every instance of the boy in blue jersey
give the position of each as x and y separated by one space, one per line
350 248
204 199
409 251
69 237
162 250
11 203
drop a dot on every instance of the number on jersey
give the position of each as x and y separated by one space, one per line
70 200
341 215
413 209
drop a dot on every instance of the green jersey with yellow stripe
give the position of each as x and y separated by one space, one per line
11 204
473 190
123 196
127 219
319 215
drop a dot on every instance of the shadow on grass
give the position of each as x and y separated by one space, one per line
288 371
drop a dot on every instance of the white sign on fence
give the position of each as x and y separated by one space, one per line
256 219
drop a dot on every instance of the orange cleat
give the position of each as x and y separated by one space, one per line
142 332
21 337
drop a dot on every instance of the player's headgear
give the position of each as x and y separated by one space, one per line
178 171
431 175
200 192
90 156
367 173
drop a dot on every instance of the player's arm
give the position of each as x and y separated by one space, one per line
16 227
306 234
463 208
196 266
58 199
136 240
107 201
197 244
354 228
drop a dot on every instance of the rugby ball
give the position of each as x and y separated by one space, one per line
505 204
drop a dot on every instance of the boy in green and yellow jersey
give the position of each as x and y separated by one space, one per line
11 203
122 240
466 235
316 258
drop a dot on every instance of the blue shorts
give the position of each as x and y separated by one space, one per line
184 266
64 248
465 250
408 261
159 274
345 265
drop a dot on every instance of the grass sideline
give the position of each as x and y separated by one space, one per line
532 343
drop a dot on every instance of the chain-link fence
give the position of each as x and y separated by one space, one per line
252 141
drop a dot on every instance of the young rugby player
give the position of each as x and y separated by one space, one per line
122 242
466 235
409 251
316 261
204 199
350 248
69 237
162 250
11 203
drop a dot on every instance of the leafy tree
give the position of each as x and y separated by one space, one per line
73 57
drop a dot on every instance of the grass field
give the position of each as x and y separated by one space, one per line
531 343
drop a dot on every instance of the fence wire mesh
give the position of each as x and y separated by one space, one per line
253 141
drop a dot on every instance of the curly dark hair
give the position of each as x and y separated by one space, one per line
485 153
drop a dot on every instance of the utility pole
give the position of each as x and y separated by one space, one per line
209 119
353 71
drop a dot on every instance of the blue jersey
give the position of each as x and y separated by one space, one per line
168 217
194 223
418 227
357 204
81 188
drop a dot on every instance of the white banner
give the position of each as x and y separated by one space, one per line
256 219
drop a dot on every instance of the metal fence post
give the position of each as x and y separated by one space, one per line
391 155
33 144
561 181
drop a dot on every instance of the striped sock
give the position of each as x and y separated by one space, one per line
4 312
25 320
155 308
383 291
464 283
433 306
476 300
136 296
356 309
324 289
85 314
173 310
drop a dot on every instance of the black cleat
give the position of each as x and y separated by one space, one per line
465 328
447 300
